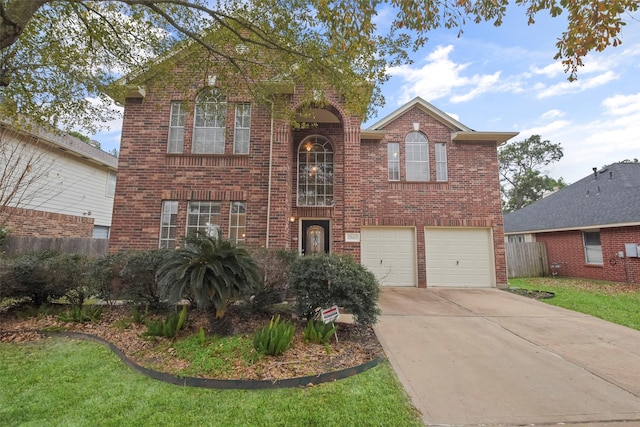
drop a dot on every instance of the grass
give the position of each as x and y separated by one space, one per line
610 301
65 382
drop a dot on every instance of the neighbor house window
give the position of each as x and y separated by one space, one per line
592 247
393 161
168 223
238 222
176 128
441 161
315 172
417 157
209 125
111 184
203 218
242 129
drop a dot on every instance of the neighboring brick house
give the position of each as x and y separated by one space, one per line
591 228
415 197
67 189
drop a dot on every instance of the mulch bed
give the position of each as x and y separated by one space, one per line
357 344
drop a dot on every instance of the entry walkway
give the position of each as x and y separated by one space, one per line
476 357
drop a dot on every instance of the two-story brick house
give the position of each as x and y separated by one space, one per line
415 197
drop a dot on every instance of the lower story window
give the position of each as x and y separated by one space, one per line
203 218
168 224
238 222
592 247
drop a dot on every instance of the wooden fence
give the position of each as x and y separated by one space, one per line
527 259
82 245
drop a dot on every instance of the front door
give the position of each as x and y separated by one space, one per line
315 236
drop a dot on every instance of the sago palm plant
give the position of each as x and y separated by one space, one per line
213 272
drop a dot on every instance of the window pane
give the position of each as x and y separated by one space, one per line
209 125
393 161
237 222
592 247
417 157
204 218
315 172
176 128
168 223
242 129
441 162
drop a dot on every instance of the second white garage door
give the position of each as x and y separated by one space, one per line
390 253
459 257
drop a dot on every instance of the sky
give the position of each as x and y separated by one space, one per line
505 79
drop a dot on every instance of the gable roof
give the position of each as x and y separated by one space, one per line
459 131
606 198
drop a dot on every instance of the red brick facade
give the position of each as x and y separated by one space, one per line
362 193
32 223
567 248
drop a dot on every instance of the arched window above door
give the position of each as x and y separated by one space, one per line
315 172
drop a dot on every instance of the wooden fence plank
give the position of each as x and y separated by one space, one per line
87 246
527 259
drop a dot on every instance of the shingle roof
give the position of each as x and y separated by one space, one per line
607 198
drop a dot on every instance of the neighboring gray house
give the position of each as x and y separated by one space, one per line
591 228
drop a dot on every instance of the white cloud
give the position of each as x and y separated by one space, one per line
440 76
552 114
579 85
622 104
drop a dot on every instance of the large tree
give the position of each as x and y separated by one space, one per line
523 181
58 56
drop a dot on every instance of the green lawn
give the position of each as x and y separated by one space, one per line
65 382
614 302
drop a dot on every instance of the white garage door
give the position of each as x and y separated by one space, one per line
390 253
459 257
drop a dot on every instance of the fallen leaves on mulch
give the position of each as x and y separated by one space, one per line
357 344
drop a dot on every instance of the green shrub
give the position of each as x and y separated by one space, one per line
104 276
273 266
25 276
318 332
78 314
321 281
274 338
139 276
67 274
168 328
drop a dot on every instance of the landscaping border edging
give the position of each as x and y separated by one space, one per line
216 383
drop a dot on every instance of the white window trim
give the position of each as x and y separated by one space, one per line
175 139
110 191
210 146
409 161
592 253
169 208
393 158
237 128
442 172
210 228
240 238
326 199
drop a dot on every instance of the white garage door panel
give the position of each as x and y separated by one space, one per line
459 257
390 253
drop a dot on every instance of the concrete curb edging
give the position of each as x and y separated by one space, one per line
216 383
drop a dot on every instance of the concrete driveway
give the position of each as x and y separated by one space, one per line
476 357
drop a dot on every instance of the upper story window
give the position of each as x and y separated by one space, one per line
441 161
242 129
592 247
315 172
176 128
111 184
210 122
393 160
417 157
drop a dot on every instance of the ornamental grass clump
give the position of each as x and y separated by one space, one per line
275 338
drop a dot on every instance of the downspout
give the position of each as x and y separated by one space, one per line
266 244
